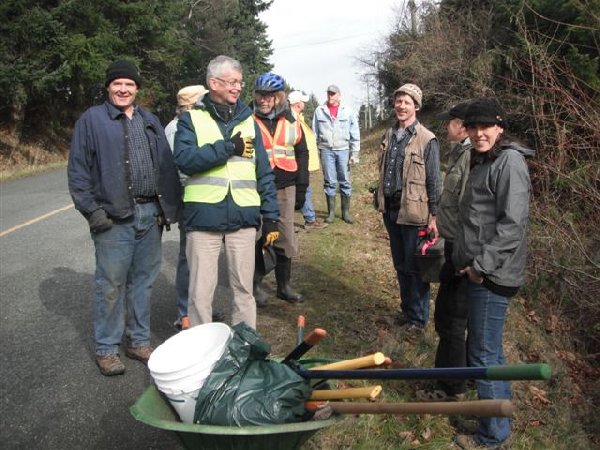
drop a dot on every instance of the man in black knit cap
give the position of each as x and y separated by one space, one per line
123 180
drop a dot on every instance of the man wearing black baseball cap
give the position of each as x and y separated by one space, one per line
123 180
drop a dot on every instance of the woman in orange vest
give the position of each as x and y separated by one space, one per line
288 155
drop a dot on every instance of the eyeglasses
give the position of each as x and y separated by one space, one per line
264 95
331 93
231 84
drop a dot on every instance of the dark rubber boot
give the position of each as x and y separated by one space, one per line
283 272
330 208
260 296
346 209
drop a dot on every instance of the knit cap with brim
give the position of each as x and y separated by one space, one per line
122 69
413 90
485 111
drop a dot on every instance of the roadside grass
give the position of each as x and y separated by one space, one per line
347 277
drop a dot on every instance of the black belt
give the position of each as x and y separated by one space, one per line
142 199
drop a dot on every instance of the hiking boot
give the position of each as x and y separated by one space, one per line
468 442
438 395
464 425
140 353
110 364
314 225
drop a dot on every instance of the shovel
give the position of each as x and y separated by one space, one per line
481 408
506 372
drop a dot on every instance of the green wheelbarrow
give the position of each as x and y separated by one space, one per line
154 410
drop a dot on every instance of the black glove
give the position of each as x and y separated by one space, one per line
242 147
300 198
99 221
270 232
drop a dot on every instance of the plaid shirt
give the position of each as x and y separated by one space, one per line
142 168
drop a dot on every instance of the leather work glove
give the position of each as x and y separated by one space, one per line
269 232
243 147
99 221
300 198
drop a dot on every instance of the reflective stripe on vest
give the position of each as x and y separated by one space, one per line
280 147
238 175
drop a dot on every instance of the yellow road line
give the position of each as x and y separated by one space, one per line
37 219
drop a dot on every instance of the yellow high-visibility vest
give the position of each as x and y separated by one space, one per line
238 175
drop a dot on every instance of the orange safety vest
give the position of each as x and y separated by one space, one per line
280 147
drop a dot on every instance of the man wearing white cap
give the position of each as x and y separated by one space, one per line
338 139
187 97
297 99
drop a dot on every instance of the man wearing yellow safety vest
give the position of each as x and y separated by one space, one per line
288 155
230 186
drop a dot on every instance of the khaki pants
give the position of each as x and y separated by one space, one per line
286 200
202 250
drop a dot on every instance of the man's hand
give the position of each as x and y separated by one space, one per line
243 147
354 159
99 221
432 228
270 232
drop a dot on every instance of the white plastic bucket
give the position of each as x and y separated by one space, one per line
190 347
184 404
181 364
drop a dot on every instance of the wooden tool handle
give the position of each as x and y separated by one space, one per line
482 408
368 392
313 338
375 359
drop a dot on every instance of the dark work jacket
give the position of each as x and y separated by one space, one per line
99 165
225 215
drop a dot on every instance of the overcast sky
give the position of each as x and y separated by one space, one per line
316 42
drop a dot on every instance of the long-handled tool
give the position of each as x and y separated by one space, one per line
482 408
507 372
368 392
312 339
375 359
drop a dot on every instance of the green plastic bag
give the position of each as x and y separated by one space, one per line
246 388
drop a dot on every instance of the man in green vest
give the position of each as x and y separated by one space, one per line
230 192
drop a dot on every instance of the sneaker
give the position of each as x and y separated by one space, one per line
140 353
110 364
315 225
468 442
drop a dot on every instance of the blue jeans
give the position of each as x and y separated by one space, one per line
308 209
487 312
414 293
182 276
127 263
336 171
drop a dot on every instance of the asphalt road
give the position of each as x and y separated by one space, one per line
52 394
